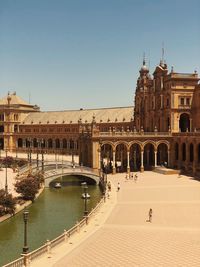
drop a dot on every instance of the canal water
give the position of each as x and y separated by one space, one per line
54 211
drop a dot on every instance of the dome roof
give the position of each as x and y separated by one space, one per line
144 68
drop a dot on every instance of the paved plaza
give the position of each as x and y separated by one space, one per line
121 235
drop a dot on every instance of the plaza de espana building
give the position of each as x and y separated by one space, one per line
161 128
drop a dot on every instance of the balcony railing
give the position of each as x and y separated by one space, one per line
134 134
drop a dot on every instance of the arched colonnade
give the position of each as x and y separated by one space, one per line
122 156
187 155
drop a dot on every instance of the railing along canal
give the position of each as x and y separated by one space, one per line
46 248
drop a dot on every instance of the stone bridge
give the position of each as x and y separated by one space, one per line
53 170
51 175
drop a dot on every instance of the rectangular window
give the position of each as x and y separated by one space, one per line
182 101
188 101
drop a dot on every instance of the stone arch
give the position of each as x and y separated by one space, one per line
163 142
184 122
162 153
141 145
106 154
135 156
149 155
121 149
120 143
153 143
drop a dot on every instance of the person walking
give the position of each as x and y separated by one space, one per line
135 177
118 187
150 215
109 186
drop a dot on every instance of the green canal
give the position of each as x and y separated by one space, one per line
54 211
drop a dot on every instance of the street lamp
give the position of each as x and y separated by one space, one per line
37 159
29 152
25 217
42 151
6 178
85 196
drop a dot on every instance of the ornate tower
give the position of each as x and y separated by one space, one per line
141 109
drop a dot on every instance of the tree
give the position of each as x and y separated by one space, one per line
8 161
27 187
7 203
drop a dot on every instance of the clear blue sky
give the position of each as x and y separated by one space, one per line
69 54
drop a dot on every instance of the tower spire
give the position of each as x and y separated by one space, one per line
144 60
163 52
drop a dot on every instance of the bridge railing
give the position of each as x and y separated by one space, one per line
49 245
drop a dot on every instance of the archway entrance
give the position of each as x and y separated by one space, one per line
184 122
162 155
149 157
135 157
121 158
107 158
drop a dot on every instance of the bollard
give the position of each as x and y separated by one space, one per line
77 226
65 235
48 248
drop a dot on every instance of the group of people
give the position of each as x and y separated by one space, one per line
131 177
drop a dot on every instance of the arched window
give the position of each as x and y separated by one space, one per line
184 123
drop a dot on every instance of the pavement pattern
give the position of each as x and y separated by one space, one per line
121 235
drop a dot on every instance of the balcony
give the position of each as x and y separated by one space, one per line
184 106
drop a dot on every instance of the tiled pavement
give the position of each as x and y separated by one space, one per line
127 239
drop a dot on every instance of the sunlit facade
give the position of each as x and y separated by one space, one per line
161 128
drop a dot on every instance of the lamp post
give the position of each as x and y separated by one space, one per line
42 151
72 158
6 178
29 152
37 158
25 217
84 184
